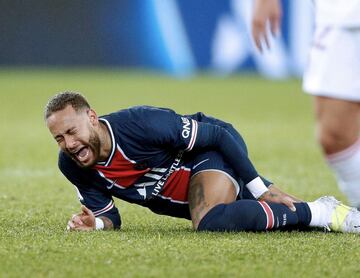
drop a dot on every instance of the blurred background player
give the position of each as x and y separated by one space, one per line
332 76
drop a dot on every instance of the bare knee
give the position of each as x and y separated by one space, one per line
335 139
338 123
207 190
331 141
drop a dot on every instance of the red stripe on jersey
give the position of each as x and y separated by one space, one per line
177 186
269 215
121 170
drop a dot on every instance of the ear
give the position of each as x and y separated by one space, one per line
94 120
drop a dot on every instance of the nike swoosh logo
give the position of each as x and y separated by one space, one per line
201 162
111 185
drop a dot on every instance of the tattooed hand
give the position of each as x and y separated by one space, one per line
274 195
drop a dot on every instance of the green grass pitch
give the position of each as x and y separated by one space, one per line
36 201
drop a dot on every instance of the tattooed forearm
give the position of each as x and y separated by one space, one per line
108 224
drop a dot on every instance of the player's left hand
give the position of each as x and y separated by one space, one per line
84 221
274 195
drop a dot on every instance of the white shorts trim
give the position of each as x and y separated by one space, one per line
235 183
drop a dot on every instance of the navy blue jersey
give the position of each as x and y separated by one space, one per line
146 142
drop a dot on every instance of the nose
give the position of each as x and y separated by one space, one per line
70 142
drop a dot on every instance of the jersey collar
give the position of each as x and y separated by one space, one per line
113 144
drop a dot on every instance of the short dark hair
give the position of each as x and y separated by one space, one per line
61 100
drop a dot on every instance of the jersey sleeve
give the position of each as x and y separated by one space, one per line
186 133
159 128
89 194
218 137
165 128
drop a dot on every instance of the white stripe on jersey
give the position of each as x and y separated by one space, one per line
105 209
171 200
154 176
124 155
106 163
161 170
144 184
157 177
182 167
81 198
193 135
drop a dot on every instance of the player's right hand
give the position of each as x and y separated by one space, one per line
84 221
274 196
265 12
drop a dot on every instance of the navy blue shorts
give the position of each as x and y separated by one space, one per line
213 161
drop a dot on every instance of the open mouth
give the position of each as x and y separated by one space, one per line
82 154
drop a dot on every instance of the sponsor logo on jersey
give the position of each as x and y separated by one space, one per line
161 182
186 128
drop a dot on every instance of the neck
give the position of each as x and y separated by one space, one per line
105 139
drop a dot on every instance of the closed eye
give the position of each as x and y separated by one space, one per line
59 139
71 131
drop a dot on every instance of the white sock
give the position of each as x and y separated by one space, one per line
346 166
320 214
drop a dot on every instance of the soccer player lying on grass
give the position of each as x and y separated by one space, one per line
192 166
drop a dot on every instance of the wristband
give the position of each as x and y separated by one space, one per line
257 187
99 224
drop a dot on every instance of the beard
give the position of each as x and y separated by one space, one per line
94 147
